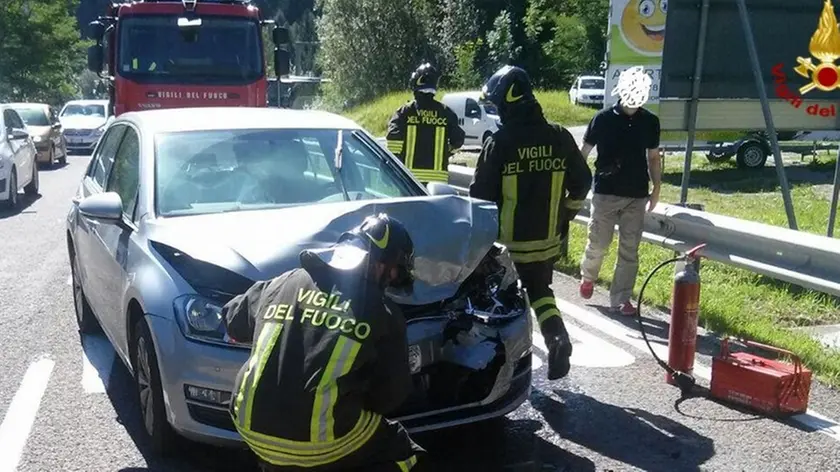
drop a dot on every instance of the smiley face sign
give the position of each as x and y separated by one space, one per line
642 26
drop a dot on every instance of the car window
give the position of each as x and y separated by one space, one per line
34 116
472 110
228 170
125 176
104 158
12 119
74 109
592 83
489 108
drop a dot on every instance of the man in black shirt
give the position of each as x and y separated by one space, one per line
627 140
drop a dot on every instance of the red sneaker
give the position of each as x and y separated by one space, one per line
586 288
626 309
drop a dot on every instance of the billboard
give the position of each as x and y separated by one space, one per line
797 43
636 38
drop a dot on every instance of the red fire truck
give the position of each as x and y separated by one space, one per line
188 53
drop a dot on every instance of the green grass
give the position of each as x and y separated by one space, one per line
374 115
735 301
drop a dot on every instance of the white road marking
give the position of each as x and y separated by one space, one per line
69 280
536 362
590 350
14 431
811 418
97 362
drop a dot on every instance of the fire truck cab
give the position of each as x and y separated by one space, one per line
187 53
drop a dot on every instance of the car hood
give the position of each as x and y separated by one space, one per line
42 131
451 235
82 122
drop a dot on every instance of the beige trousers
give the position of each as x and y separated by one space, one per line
628 213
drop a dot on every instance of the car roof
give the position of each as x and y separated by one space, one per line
87 102
474 94
27 105
223 118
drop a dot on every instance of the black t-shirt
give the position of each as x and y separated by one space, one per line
622 142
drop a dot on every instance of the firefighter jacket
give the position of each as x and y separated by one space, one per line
329 359
422 134
538 178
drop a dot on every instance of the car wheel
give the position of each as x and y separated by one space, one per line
150 393
63 159
12 200
84 314
33 185
751 156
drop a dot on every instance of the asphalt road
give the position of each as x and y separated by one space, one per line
63 409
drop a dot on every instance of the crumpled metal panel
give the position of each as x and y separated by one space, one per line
451 236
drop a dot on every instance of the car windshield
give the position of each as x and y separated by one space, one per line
592 83
34 116
84 110
200 172
153 49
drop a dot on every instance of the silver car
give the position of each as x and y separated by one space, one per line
180 210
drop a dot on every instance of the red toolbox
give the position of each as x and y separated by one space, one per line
770 386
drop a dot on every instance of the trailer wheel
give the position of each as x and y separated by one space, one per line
751 155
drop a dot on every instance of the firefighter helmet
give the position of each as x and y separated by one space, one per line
509 86
425 79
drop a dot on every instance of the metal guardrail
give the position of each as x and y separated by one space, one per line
800 258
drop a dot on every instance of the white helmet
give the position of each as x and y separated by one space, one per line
633 87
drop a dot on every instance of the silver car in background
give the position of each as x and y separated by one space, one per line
83 122
180 210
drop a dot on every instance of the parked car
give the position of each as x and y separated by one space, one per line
18 169
479 119
588 90
84 122
180 210
43 126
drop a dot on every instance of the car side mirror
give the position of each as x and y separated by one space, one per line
56 125
95 58
440 188
17 133
105 207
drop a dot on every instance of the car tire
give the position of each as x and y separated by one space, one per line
63 159
31 188
161 437
751 155
85 319
12 200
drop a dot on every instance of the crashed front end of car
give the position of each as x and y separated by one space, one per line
468 320
470 355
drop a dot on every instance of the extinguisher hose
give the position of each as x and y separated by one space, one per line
684 381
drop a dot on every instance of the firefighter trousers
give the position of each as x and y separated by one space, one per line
389 450
536 278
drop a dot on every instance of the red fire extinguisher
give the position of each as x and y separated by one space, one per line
682 335
682 338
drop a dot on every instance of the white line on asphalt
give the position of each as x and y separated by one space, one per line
590 350
69 280
97 362
811 418
14 431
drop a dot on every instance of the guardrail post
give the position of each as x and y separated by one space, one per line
832 212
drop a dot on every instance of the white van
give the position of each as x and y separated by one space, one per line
479 119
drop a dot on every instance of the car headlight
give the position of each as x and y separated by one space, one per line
200 319
98 131
37 139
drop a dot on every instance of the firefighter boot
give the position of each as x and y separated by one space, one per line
559 347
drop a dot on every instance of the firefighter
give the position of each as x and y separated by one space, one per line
538 178
330 358
424 132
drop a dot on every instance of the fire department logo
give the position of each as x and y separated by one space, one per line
825 46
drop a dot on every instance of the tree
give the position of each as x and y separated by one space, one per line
41 51
563 50
503 49
369 47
